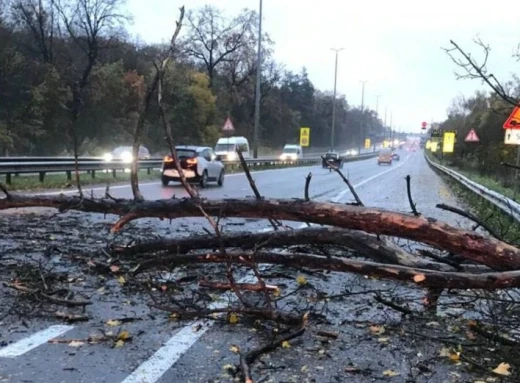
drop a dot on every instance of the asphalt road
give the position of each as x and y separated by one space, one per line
167 351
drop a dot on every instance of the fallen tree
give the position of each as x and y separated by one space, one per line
491 252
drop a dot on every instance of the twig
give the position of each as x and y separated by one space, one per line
307 183
393 305
409 191
252 183
470 216
328 334
493 337
345 179
244 369
240 286
454 263
254 354
71 318
47 297
510 165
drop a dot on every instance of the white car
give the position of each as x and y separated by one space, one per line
124 153
198 163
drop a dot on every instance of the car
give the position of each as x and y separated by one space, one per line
199 165
124 154
332 158
227 147
291 152
384 156
395 156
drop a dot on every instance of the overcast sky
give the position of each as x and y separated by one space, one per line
395 45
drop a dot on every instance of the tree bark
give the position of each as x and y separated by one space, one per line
470 245
421 277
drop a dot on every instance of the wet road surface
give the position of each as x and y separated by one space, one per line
170 351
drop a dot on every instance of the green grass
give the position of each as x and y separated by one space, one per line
487 182
59 181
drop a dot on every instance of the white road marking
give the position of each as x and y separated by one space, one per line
165 357
33 341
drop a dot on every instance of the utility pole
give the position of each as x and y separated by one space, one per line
256 128
362 123
377 104
334 98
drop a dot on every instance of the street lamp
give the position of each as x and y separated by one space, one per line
258 78
334 98
377 104
361 125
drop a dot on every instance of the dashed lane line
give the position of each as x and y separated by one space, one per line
37 339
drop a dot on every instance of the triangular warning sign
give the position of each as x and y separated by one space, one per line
472 136
228 126
513 122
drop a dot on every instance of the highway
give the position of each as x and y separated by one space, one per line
197 352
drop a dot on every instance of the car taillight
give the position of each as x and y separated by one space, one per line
191 161
168 159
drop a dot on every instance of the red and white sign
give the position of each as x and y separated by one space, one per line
472 136
424 124
513 121
228 126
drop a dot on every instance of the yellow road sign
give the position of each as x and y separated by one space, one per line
428 144
367 143
305 135
433 146
448 142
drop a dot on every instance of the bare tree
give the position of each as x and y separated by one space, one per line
472 69
87 23
39 17
212 39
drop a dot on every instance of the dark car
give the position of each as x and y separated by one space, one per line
395 156
332 158
198 163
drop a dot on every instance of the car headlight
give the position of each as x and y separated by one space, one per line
126 157
232 156
108 157
282 156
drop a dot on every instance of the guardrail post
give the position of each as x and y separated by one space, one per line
93 174
8 178
114 173
42 176
69 175
148 170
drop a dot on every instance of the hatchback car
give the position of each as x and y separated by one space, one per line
198 163
395 156
384 157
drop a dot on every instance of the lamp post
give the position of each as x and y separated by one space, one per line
256 127
334 98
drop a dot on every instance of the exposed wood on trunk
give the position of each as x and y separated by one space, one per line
241 286
420 277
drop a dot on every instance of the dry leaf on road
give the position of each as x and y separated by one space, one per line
503 369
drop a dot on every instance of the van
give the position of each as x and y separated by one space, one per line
227 146
291 152
385 156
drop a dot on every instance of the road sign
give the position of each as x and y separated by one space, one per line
424 125
367 143
428 144
513 121
433 146
472 136
512 137
228 126
305 136
448 142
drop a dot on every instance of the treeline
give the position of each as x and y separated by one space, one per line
70 75
486 113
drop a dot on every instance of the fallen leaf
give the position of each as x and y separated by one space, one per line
114 268
173 316
377 330
433 324
300 279
277 292
304 369
120 343
446 352
419 278
286 344
471 335
76 343
234 349
123 335
233 318
390 373
383 340
228 367
112 322
502 369
121 280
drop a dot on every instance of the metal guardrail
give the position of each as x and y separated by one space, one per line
10 166
507 205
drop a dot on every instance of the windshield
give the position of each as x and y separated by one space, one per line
225 148
290 150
